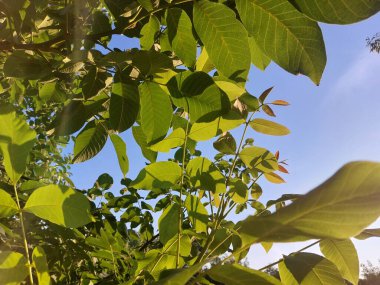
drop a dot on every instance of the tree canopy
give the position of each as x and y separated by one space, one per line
185 83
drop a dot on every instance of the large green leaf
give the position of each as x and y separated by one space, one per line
90 141
71 118
156 111
175 139
8 206
343 254
13 268
284 34
307 268
236 274
149 32
180 34
258 57
16 141
197 93
140 138
368 233
197 212
338 11
163 174
41 266
60 205
224 37
121 152
94 82
259 158
168 223
181 276
339 208
268 127
124 105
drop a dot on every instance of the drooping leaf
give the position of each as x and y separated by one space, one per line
41 266
13 268
16 141
339 208
90 141
224 37
197 212
173 140
309 268
156 111
180 35
8 206
236 274
259 158
124 104
258 57
268 127
121 152
163 174
343 254
168 223
337 12
288 37
60 205
149 32
140 138
197 93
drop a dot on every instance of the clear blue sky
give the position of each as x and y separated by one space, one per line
331 124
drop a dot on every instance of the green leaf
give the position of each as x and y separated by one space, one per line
124 104
70 119
197 212
94 82
13 268
259 158
238 191
308 268
339 208
25 66
16 141
149 32
258 57
180 34
268 127
225 144
168 223
208 130
181 276
203 62
149 5
197 93
163 174
140 138
156 111
205 175
367 233
175 139
274 178
41 266
232 89
121 152
224 37
343 254
8 206
285 35
60 205
236 274
339 11
90 141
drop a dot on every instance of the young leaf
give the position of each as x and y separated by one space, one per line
8 206
280 103
236 274
156 111
339 208
288 37
16 141
90 141
268 110
268 127
163 174
41 266
121 152
198 214
224 37
308 268
337 12
13 269
60 205
168 223
343 254
180 34
265 94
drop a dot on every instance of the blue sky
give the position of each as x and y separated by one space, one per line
331 124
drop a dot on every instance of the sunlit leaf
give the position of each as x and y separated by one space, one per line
168 223
259 158
197 213
41 266
149 32
8 206
268 127
121 152
274 178
174 139
13 268
140 138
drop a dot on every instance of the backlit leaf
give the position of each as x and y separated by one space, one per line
175 139
268 127
259 158
149 32
168 223
258 57
8 206
121 152
274 178
41 266
197 212
140 138
13 268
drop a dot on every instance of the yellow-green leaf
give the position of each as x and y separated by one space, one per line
8 206
13 268
41 266
268 127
